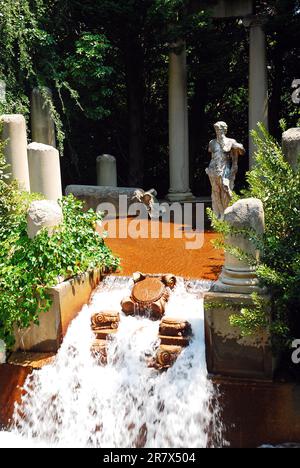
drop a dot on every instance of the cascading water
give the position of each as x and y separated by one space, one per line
75 402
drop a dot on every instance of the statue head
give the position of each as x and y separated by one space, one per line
221 128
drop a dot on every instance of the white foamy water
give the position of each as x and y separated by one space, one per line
74 402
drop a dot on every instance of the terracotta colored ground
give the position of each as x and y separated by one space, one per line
166 255
162 255
12 379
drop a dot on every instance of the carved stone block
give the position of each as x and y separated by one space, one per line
149 296
174 335
104 325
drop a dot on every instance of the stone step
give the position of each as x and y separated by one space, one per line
32 360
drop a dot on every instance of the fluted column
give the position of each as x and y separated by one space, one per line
258 79
178 125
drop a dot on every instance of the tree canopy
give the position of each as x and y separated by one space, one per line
106 62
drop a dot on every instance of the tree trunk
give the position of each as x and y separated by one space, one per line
134 60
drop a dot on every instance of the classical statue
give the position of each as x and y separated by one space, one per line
223 168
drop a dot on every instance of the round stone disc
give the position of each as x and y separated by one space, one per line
148 291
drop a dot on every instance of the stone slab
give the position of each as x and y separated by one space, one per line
93 196
31 360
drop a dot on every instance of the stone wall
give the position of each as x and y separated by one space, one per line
68 299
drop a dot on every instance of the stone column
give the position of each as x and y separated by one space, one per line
43 214
15 149
44 170
107 171
178 125
291 146
42 124
258 79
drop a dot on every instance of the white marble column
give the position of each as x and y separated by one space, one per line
42 124
14 135
258 79
178 125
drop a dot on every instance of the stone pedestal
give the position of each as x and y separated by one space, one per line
42 124
15 149
149 295
107 171
239 276
178 125
258 80
44 170
291 146
228 353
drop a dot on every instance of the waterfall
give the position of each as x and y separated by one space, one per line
75 402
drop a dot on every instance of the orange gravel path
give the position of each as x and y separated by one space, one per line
166 255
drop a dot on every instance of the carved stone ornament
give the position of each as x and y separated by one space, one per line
149 296
174 336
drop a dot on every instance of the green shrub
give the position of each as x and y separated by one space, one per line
278 186
29 267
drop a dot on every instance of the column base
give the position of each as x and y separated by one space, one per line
180 196
238 282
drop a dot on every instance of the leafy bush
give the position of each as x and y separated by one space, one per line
277 184
29 267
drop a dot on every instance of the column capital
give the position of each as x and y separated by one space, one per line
254 20
177 47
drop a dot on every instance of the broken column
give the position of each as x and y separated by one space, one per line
291 146
42 124
44 170
43 214
239 276
229 352
107 171
15 149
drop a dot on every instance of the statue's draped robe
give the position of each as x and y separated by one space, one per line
222 172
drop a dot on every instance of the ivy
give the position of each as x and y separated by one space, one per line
28 268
